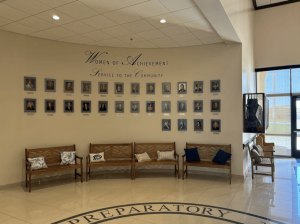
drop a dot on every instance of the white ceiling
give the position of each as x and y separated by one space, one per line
110 22
268 2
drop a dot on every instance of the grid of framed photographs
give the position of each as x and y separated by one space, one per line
30 104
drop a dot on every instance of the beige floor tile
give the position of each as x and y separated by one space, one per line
14 221
4 217
159 219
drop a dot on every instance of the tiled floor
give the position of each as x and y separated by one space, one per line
59 200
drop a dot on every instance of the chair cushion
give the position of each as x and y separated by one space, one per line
221 157
142 157
68 158
255 153
97 157
165 155
192 155
259 149
37 163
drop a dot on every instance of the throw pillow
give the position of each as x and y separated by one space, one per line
37 163
192 155
165 155
259 149
255 153
143 157
97 157
67 158
221 157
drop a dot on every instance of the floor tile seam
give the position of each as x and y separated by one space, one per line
233 196
12 217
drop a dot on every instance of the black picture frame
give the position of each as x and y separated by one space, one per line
198 86
182 124
182 88
181 106
134 106
215 105
69 86
150 106
50 106
150 88
103 87
68 106
215 86
29 105
86 106
29 83
166 88
135 88
198 106
166 106
119 107
166 124
119 87
86 87
215 125
50 85
102 106
198 125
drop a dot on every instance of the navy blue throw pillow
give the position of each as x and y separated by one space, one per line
192 155
221 157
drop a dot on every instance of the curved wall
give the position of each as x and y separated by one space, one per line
27 56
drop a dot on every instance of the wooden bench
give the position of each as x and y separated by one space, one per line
52 159
151 149
207 153
114 155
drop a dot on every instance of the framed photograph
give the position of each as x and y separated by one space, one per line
181 106
135 88
166 124
182 87
150 106
50 85
68 106
150 88
215 86
103 87
134 106
198 105
103 106
119 88
166 106
215 105
215 125
50 106
29 83
119 106
86 106
29 105
166 88
198 124
86 87
198 87
182 124
69 86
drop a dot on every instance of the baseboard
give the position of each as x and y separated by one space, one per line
69 177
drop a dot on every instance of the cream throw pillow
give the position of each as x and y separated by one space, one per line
165 155
143 157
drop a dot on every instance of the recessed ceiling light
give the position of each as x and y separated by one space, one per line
55 17
163 21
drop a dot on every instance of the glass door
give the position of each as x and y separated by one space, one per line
296 126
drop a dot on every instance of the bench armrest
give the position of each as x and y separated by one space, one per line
269 150
78 157
176 155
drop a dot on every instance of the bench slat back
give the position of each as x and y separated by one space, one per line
152 148
51 154
208 152
113 151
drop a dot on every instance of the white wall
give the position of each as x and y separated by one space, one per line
27 56
241 15
277 35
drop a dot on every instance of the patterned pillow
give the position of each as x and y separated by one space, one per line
165 155
37 163
259 149
97 157
67 158
143 157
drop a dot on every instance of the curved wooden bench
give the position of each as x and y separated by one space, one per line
114 155
151 149
52 159
207 153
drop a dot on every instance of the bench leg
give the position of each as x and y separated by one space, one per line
256 167
175 170
29 182
252 172
273 173
75 175
178 171
86 172
230 175
26 179
186 169
81 172
182 171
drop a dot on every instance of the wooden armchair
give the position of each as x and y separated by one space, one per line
267 160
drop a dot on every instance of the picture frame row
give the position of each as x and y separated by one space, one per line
198 125
68 105
86 86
